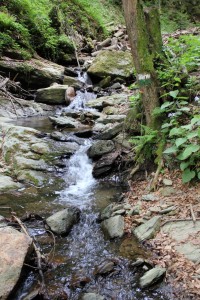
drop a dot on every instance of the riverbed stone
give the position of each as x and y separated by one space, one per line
152 276
14 248
108 131
64 121
112 63
92 296
52 95
111 119
100 148
62 221
74 82
114 226
105 164
115 99
34 73
148 229
180 231
7 183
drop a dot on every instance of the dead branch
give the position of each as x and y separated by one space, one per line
192 214
179 220
3 83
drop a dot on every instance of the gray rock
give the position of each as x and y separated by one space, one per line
167 210
168 191
62 221
167 182
123 140
105 101
114 226
100 148
92 296
180 231
52 95
7 183
112 63
3 222
108 132
111 119
149 197
14 248
152 276
147 230
64 121
36 178
106 213
118 212
74 82
35 73
105 164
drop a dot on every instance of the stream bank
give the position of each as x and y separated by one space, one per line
76 165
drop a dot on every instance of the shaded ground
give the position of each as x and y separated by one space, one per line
182 273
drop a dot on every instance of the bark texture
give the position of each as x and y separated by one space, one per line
143 28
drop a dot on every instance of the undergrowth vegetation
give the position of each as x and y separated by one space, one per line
49 27
177 142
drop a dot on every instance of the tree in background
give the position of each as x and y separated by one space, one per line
143 26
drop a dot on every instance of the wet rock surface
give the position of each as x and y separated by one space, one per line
62 221
152 276
14 248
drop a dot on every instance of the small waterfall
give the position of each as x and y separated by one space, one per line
79 179
82 97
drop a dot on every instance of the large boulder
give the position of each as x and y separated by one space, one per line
114 226
112 63
62 221
100 148
115 99
14 248
52 95
34 73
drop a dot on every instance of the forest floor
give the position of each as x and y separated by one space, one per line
182 273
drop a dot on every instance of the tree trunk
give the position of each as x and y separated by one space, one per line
145 38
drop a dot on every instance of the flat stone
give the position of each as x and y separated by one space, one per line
108 132
64 121
100 103
52 95
119 212
149 197
7 183
147 230
152 276
168 191
111 119
14 248
180 231
114 226
168 210
167 182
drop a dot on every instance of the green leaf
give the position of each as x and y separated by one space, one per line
199 132
198 175
174 94
184 109
180 141
170 150
188 151
195 120
183 102
188 175
188 127
176 131
192 135
184 165
166 125
166 104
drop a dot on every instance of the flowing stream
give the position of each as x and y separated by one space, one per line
77 255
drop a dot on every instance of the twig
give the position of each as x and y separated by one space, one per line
192 213
54 245
4 82
179 220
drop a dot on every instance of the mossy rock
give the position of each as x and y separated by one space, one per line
112 63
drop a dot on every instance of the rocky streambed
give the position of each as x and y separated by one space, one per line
60 173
